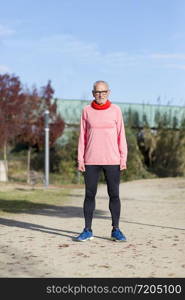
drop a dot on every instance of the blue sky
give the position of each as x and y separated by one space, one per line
138 46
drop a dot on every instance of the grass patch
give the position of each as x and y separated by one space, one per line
20 200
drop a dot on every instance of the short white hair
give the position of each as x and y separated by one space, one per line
100 81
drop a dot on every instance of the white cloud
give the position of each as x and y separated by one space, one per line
71 53
71 49
170 60
4 31
68 45
175 66
4 69
167 55
178 36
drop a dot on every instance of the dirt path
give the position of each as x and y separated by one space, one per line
41 244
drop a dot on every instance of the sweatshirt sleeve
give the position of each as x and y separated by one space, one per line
122 143
82 138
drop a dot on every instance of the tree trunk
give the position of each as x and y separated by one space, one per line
28 164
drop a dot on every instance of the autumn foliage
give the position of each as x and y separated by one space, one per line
11 103
22 114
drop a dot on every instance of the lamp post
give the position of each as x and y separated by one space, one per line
46 114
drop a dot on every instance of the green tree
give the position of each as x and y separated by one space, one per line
135 163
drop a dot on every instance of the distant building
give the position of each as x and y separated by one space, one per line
136 114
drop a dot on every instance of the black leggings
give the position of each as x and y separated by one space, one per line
112 177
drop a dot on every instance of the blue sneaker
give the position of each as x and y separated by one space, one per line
118 236
85 236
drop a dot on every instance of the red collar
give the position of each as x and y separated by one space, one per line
95 105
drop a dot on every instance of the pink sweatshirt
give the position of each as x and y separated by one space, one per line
102 138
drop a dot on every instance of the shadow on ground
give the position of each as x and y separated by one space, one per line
29 207
41 228
35 227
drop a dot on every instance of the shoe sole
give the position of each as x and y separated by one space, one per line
115 240
91 238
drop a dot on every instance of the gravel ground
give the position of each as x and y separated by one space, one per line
41 243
